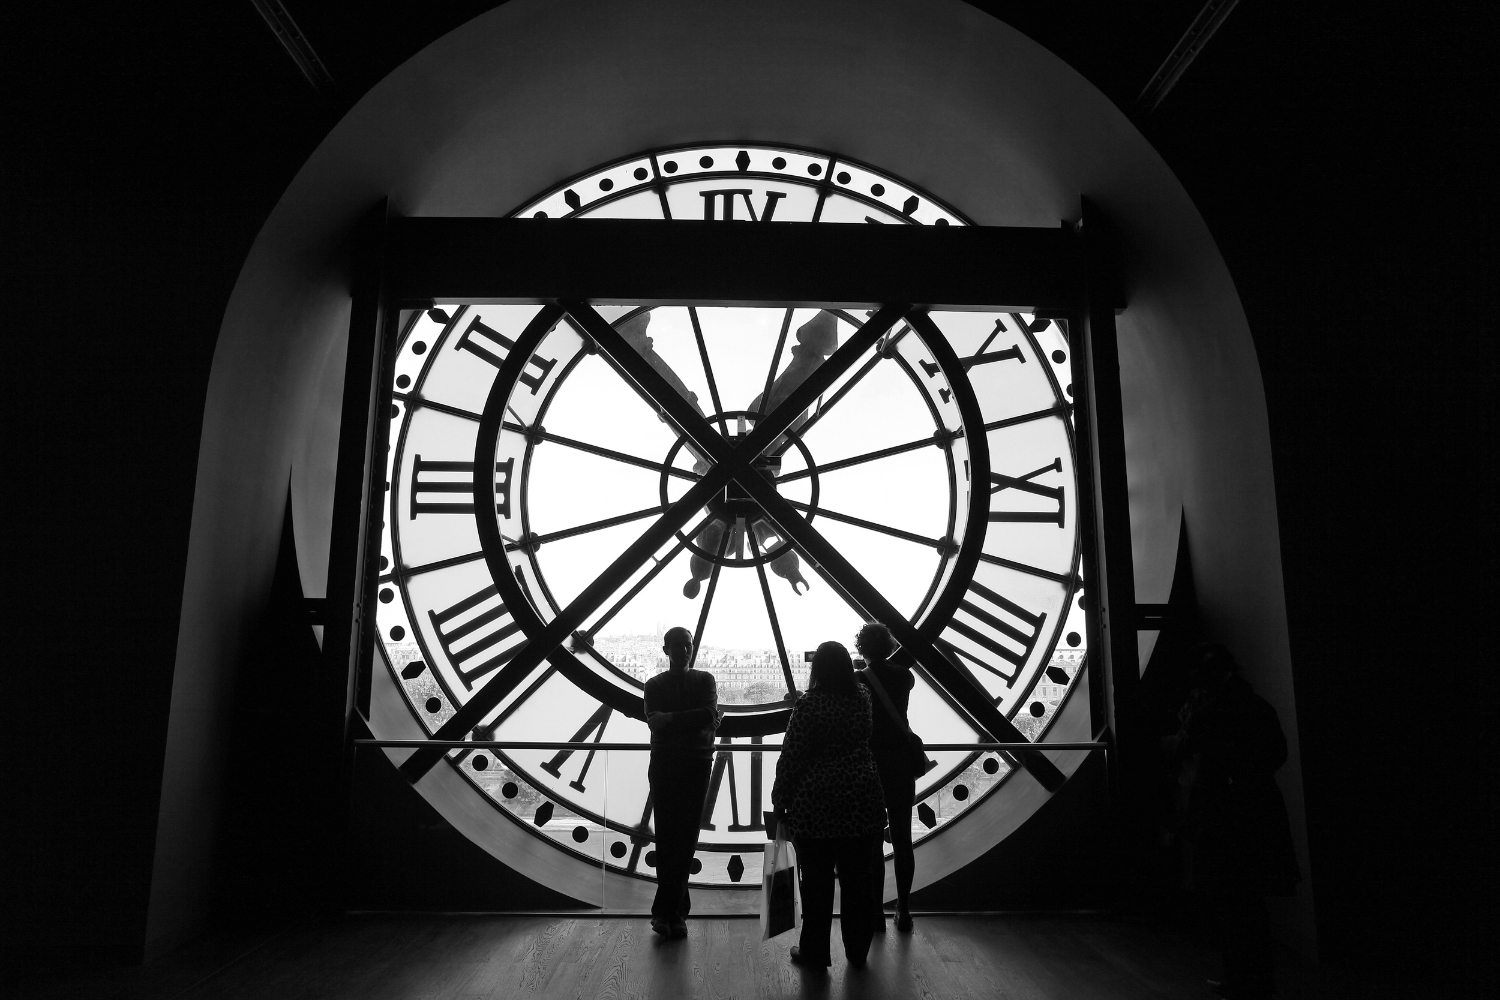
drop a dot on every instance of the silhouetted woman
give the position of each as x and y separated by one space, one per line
828 791
1235 828
893 759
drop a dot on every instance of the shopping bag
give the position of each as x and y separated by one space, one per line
780 896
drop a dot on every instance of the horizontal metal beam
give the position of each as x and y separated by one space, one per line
626 260
718 747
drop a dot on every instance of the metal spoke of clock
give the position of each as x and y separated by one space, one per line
941 544
765 396
602 452
765 592
849 583
532 541
407 572
708 371
1045 574
487 731
1024 418
861 595
827 560
645 580
730 463
940 439
413 400
825 187
708 597
880 355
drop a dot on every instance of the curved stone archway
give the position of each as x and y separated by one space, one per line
538 90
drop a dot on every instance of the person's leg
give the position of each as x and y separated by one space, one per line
815 861
671 867
1246 945
695 790
900 796
1256 958
855 907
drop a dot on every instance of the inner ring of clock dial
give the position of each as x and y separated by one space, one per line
885 489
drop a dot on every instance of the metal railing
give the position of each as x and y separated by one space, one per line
717 747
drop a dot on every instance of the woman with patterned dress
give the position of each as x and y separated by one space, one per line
828 791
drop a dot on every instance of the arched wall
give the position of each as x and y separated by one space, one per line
537 90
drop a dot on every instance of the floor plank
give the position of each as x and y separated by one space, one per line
588 957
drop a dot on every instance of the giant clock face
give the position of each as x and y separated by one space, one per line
575 462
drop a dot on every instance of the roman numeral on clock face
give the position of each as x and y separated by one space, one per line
1011 353
449 487
490 344
470 644
1000 482
979 357
595 727
994 629
724 762
718 205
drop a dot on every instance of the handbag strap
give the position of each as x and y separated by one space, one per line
885 700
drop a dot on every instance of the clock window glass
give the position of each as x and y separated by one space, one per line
581 461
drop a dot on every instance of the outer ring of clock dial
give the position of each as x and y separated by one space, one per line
925 615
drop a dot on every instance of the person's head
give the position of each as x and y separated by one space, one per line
1211 665
832 670
677 643
875 642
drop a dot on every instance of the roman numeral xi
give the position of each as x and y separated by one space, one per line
999 482
490 344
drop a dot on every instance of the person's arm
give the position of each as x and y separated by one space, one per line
790 763
705 714
656 719
864 723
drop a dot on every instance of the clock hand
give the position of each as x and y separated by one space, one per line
699 567
787 565
816 340
634 332
848 386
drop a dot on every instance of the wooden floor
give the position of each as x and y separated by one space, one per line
1054 957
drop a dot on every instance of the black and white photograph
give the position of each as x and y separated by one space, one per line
750 499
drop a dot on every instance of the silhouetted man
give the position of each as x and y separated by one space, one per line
1235 827
682 709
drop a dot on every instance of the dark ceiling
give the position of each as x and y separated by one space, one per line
106 82
1338 151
